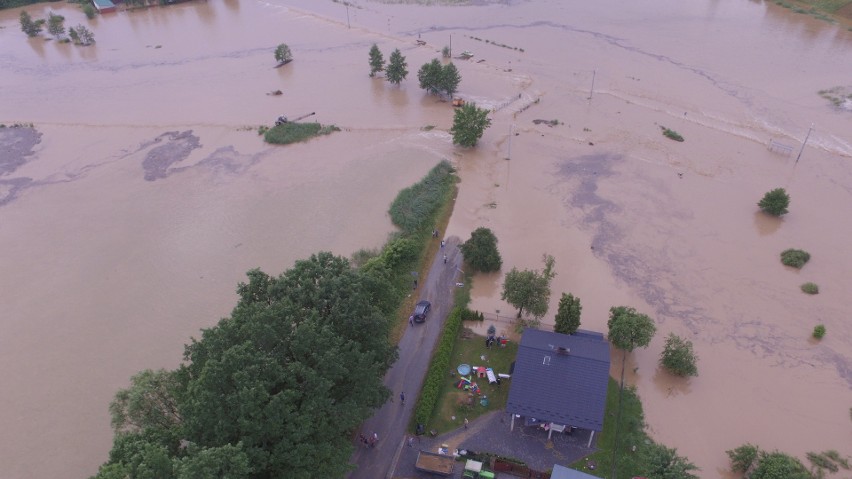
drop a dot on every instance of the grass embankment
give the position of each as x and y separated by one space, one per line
826 10
417 210
294 132
632 433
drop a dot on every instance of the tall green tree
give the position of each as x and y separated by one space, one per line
629 329
678 356
480 251
396 71
151 401
775 202
273 390
664 463
377 60
529 289
450 79
283 53
430 76
568 314
55 24
469 123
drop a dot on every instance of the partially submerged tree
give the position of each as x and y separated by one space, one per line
529 289
775 202
753 463
665 463
81 35
450 79
629 329
678 356
480 251
469 123
377 60
283 54
55 24
396 71
429 76
568 314
29 26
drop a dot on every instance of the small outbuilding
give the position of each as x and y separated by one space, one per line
562 472
104 6
561 380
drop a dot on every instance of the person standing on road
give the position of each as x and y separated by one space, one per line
465 423
402 398
445 259
443 243
411 320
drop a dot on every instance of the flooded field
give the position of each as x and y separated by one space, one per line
142 196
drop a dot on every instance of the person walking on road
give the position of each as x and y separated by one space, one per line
411 320
402 398
445 259
465 423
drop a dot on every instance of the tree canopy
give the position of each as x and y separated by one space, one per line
396 71
429 76
273 390
775 202
450 79
629 329
469 123
29 26
283 53
665 463
678 356
480 251
753 463
55 24
529 289
377 60
568 314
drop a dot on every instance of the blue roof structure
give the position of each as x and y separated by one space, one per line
562 472
561 378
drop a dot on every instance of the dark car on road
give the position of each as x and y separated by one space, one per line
421 310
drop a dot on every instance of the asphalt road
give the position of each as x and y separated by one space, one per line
406 375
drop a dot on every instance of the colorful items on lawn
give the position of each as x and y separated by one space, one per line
468 385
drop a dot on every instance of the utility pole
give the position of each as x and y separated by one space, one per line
511 134
804 143
592 90
451 45
348 25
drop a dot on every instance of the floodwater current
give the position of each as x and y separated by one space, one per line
128 219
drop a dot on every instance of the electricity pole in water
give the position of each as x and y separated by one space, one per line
804 143
592 90
348 25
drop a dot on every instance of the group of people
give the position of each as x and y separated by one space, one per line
369 441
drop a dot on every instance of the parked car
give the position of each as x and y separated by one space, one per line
421 310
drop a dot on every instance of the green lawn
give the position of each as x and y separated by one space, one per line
632 433
469 349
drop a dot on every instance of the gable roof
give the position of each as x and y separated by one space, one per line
561 378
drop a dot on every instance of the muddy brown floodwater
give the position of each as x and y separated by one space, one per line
142 194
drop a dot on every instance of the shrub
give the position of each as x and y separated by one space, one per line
775 202
819 331
795 257
415 206
287 133
567 319
480 251
438 369
445 52
89 11
810 288
283 53
678 356
671 134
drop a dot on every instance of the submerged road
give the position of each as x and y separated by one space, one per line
406 375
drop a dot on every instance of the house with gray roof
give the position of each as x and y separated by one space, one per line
561 379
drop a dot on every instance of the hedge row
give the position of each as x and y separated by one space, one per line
437 374
415 206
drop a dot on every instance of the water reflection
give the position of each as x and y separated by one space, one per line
766 224
669 384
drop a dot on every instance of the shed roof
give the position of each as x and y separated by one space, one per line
561 378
